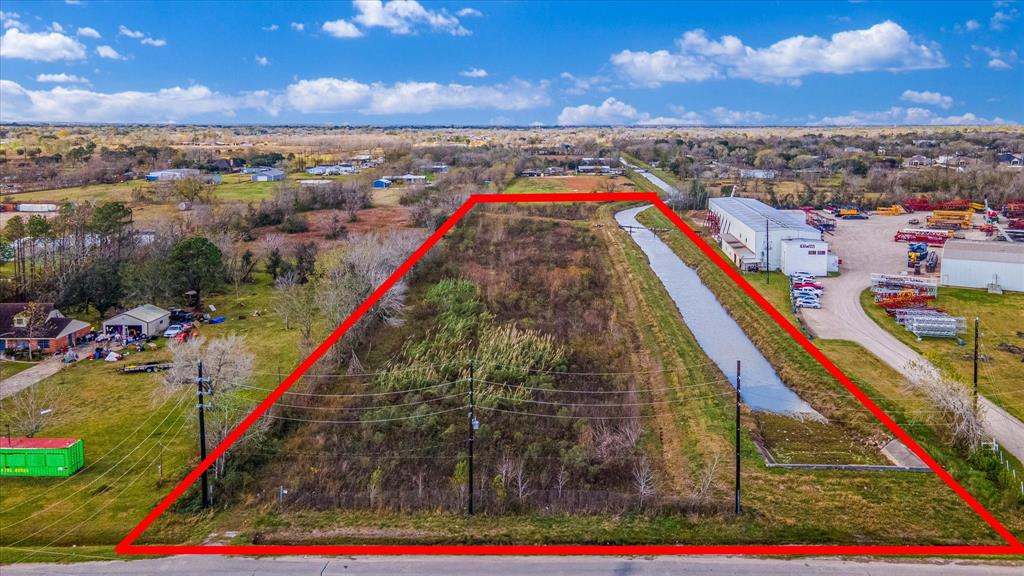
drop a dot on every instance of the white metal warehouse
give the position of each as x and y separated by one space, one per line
979 264
747 225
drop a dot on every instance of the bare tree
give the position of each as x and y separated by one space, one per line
955 404
561 479
227 365
29 409
643 479
707 480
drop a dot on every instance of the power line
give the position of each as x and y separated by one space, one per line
109 470
358 395
90 465
343 408
374 421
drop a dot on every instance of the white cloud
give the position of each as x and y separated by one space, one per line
322 95
615 112
126 31
108 52
56 27
168 105
342 28
726 117
123 30
653 68
402 17
61 78
326 95
972 25
998 59
999 64
610 112
263 61
579 85
12 20
468 12
905 116
884 46
927 97
298 26
474 73
87 32
41 46
271 28
1001 18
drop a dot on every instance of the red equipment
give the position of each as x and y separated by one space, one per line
936 239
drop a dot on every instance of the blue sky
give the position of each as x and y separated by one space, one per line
483 63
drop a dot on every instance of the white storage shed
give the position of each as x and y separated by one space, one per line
146 319
981 264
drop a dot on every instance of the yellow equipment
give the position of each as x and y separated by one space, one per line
848 212
894 210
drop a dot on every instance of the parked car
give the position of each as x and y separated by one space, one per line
173 330
814 285
808 303
808 291
179 316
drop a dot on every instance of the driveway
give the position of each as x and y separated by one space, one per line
26 378
866 246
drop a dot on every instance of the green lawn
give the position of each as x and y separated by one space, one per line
536 185
1002 328
9 368
135 431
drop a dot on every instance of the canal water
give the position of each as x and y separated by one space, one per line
718 334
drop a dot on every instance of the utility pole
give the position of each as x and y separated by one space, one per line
472 437
975 364
202 435
767 255
737 437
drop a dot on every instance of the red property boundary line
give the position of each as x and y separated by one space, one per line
1013 546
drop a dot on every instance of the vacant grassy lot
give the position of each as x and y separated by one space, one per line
1001 369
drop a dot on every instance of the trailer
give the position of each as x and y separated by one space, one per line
146 367
41 456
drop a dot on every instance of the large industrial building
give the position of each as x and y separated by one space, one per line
746 227
980 264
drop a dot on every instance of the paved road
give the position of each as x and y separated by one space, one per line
866 246
524 566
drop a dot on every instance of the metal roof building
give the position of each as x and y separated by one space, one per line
748 226
981 264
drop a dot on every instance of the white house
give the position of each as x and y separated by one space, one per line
146 320
979 264
173 174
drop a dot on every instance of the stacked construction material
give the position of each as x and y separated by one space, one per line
950 219
930 237
939 325
894 210
894 292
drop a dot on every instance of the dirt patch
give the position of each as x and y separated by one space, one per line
321 222
597 183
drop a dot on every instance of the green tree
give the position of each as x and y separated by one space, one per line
110 219
196 263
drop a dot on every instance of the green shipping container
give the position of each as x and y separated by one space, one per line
41 456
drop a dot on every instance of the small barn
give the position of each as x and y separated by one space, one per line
382 183
145 320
